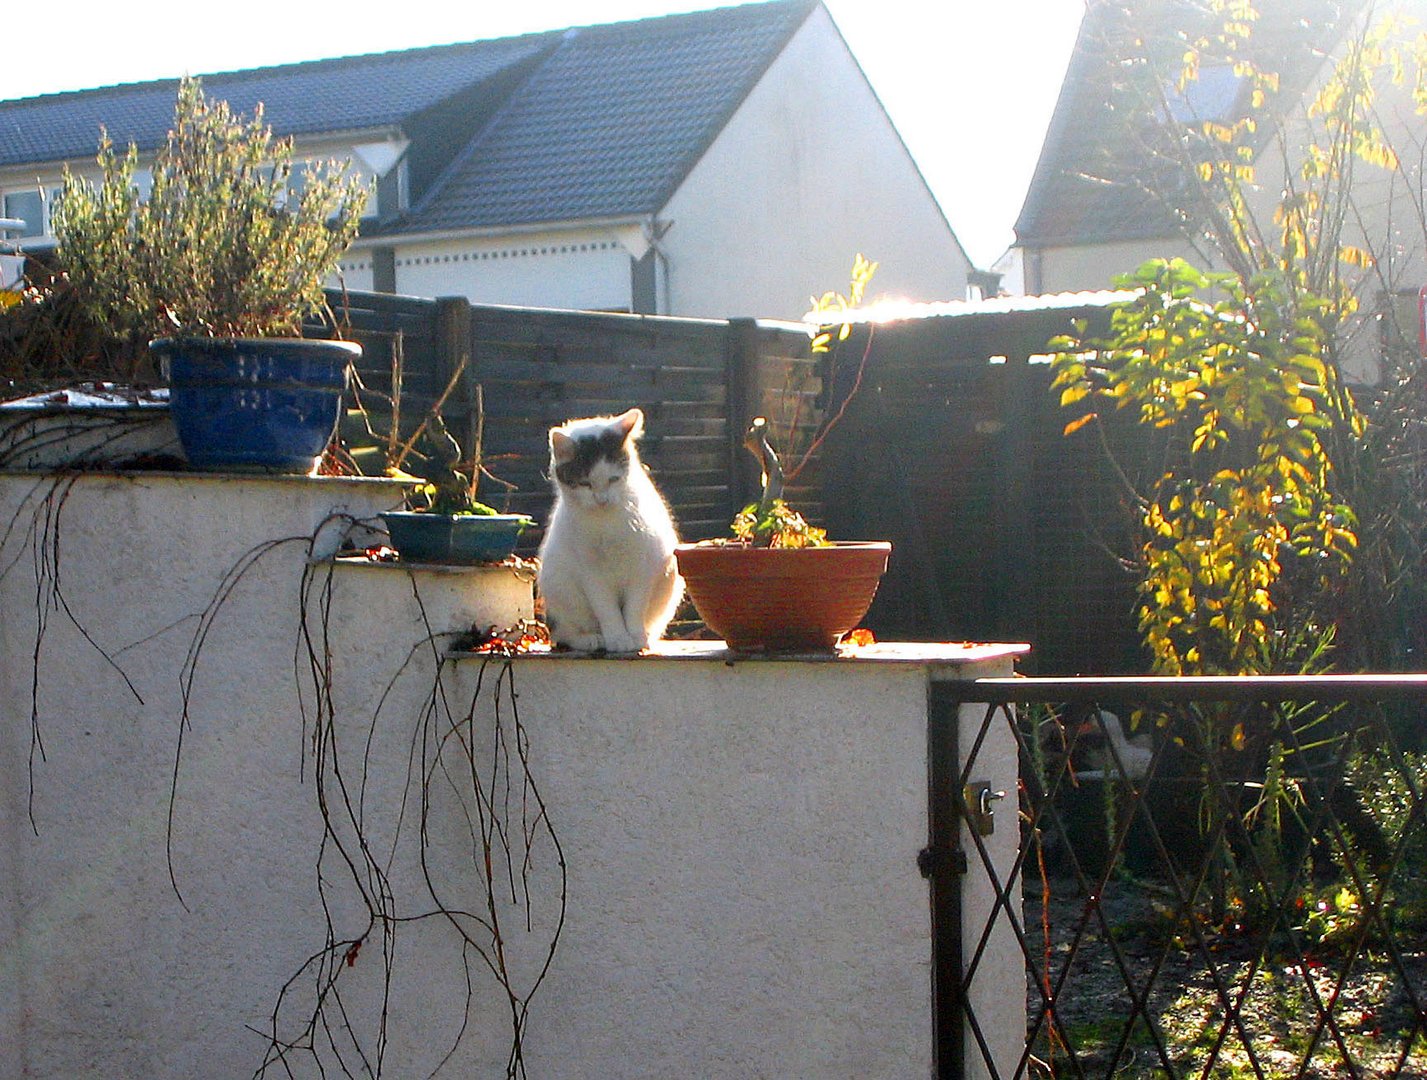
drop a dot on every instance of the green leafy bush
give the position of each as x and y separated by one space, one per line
221 246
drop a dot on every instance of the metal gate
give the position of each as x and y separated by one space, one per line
1212 876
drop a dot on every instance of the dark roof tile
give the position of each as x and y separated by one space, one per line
612 121
592 122
1097 180
345 94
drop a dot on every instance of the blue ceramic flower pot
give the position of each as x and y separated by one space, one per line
255 404
459 539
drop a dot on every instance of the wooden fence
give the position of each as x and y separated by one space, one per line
952 447
1002 528
699 382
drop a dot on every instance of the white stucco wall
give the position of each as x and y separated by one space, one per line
1089 267
808 172
741 839
1093 266
355 273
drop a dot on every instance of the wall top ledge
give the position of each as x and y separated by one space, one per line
100 472
929 654
517 568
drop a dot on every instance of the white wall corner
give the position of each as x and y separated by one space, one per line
635 239
381 157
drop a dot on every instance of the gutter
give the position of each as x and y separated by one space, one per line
26 171
389 239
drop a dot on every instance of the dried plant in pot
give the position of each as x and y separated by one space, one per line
445 523
219 264
779 585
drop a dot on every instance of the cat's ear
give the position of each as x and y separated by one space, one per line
630 423
562 447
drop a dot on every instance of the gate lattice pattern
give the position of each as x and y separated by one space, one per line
1214 877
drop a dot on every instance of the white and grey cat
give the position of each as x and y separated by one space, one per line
607 569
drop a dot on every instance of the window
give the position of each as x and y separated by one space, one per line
29 207
1216 95
32 206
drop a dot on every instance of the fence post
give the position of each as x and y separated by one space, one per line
739 360
1013 601
943 864
452 340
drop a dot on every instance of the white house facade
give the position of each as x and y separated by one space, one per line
808 173
722 163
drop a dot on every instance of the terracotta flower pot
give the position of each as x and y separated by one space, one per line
782 599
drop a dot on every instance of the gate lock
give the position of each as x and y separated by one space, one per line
980 801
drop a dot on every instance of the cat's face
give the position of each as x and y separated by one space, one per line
592 459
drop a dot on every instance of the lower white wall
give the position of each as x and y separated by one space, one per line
740 839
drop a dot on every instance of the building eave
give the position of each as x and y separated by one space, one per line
21 170
486 232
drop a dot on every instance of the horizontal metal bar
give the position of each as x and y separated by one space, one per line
1265 688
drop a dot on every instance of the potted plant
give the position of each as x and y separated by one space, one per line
444 522
218 265
779 585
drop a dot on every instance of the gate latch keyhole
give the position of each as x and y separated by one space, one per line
981 806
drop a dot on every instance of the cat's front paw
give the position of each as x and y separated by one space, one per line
582 642
622 642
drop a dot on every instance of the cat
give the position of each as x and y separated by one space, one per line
607 570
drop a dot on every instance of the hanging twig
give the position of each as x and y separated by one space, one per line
41 536
506 818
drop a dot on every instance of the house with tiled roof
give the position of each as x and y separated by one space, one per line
728 162
1104 197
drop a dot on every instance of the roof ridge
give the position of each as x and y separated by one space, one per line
290 67
145 85
718 11
438 182
571 38
458 160
716 126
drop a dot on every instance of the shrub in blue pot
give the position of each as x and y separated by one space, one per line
222 261
267 404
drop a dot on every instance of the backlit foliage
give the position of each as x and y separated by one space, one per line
222 244
832 311
1283 511
1242 391
780 527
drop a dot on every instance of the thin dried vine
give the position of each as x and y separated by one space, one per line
38 534
472 758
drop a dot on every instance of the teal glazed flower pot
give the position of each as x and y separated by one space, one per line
255 404
454 539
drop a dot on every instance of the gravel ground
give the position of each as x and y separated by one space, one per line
1280 1000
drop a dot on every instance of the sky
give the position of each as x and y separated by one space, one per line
969 84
